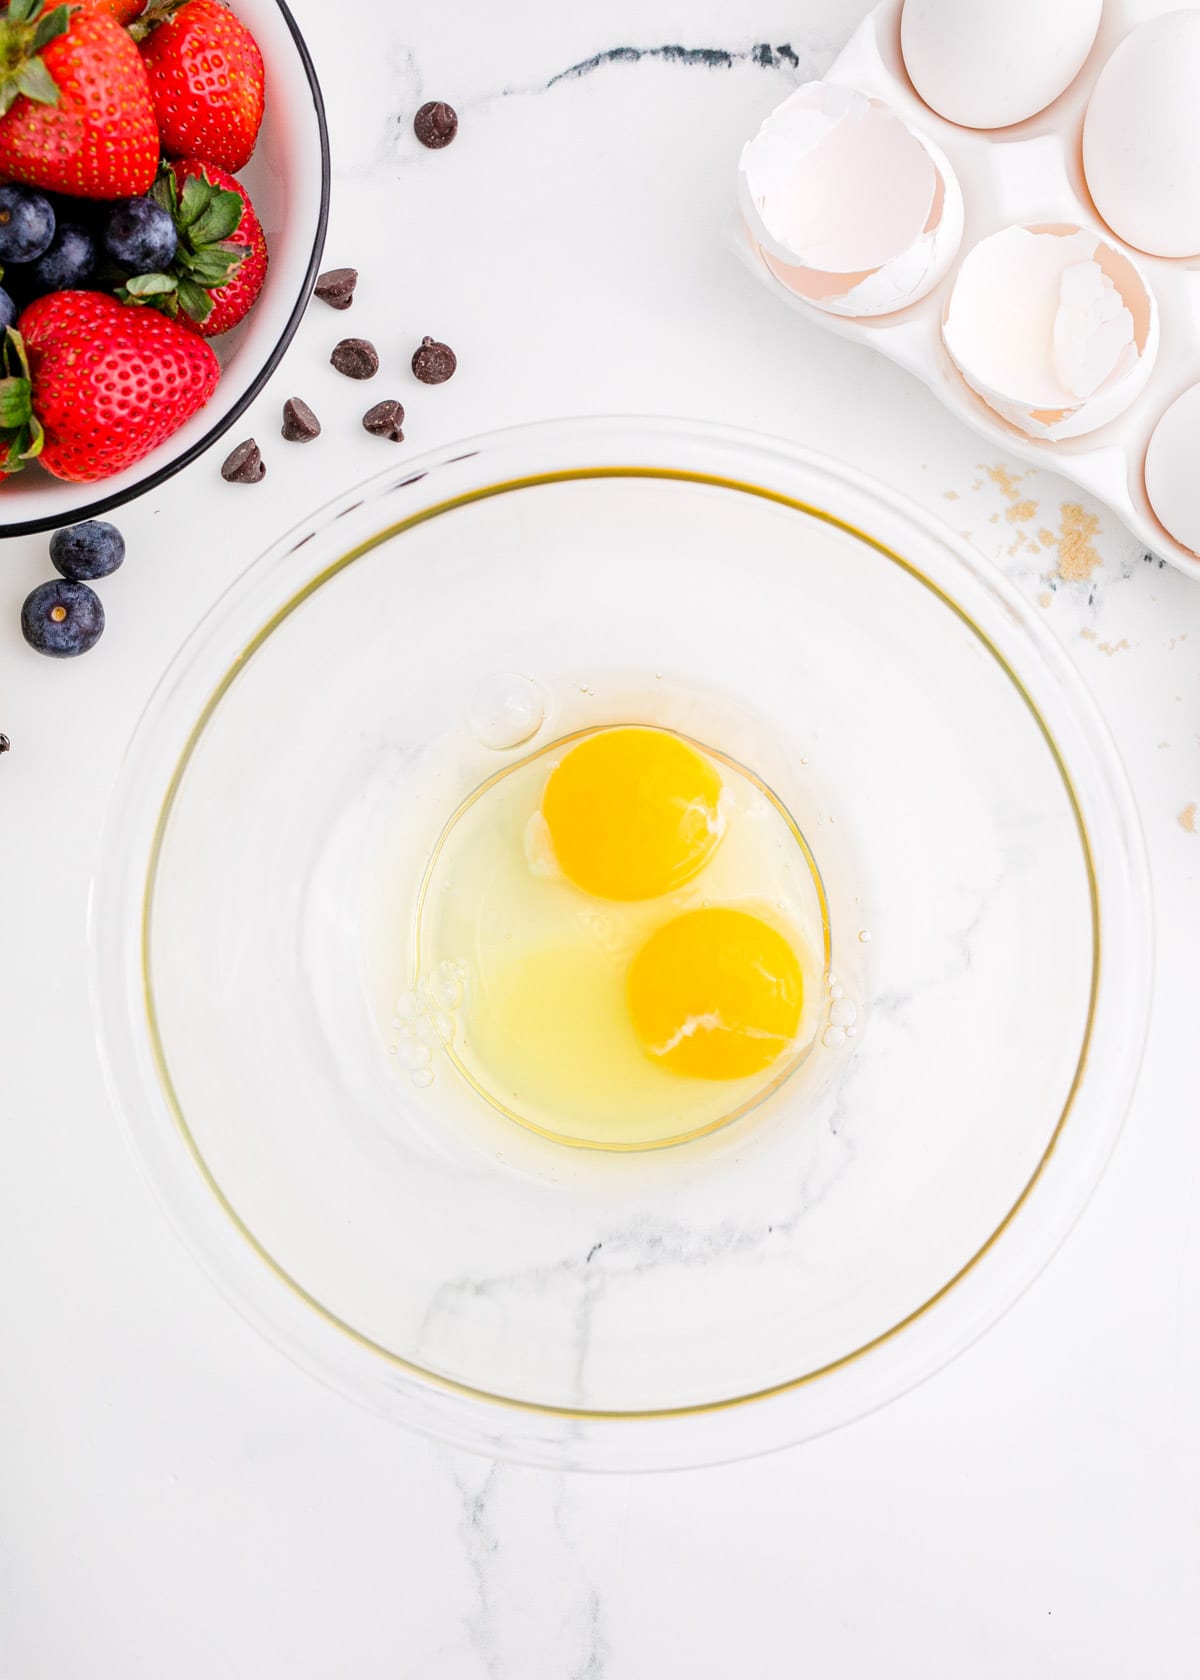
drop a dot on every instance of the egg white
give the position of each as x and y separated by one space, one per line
543 1029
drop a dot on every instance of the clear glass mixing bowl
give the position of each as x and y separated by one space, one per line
988 919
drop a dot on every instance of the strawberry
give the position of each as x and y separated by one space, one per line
76 115
123 10
232 301
109 383
206 80
221 259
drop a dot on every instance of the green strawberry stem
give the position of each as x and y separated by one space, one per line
25 29
21 436
158 11
205 259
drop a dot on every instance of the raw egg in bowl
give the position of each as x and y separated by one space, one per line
620 940
598 941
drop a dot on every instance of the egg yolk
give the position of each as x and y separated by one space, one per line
716 994
632 813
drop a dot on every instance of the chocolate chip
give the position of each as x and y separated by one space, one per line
433 363
336 287
5 744
300 424
244 465
357 358
436 124
385 420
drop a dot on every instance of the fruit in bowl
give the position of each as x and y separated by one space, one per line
126 240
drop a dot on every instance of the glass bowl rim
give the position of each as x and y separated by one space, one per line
618 447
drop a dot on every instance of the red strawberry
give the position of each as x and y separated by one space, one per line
110 382
123 10
206 80
232 301
220 260
76 115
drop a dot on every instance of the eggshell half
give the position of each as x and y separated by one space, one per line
850 208
1053 327
834 181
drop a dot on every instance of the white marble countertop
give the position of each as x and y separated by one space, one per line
177 1499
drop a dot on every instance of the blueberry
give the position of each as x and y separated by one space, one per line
26 223
8 310
65 266
140 235
62 619
87 551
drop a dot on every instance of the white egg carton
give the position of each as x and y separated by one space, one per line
1032 174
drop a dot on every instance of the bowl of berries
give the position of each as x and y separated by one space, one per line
164 187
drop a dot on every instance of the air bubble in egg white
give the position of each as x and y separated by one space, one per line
843 1013
506 710
423 1078
412 1053
446 986
425 1028
832 1037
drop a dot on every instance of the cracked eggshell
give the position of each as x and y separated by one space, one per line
1172 485
992 63
850 208
1053 327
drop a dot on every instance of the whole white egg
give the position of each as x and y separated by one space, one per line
1171 470
991 63
1141 137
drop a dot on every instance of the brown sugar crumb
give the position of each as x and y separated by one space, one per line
1077 556
950 495
993 519
1045 599
1114 647
1187 819
1088 635
1005 481
1020 513
1046 537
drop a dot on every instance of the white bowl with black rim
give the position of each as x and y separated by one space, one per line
288 182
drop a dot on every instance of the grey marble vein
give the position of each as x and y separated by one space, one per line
708 58
480 1541
394 146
